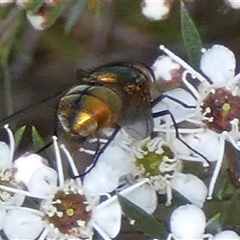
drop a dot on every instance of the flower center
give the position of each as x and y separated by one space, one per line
6 179
151 161
221 110
70 212
155 158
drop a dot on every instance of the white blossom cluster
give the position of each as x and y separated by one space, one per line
191 123
40 19
189 126
156 10
139 170
210 106
205 113
70 208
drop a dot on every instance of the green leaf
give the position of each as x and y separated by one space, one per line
147 223
56 11
42 146
37 139
190 36
34 6
6 10
15 31
18 136
213 225
231 217
224 187
99 10
74 13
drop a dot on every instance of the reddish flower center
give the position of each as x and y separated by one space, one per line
220 108
69 212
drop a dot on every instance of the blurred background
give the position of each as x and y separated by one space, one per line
36 64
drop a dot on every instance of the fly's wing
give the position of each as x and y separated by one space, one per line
31 109
41 115
136 117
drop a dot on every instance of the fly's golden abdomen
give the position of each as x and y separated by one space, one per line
86 109
93 115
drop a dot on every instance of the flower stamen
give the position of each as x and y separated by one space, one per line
220 111
158 163
69 211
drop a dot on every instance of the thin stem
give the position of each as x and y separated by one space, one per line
72 164
123 193
183 64
59 161
17 191
11 141
217 167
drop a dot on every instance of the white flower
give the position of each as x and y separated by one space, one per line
189 222
233 3
166 69
156 9
22 224
7 172
227 235
7 151
114 162
211 110
152 161
68 211
38 21
5 2
32 172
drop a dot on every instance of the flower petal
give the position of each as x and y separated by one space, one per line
17 200
178 111
188 222
26 165
109 219
5 161
117 158
2 217
226 235
166 69
22 224
191 187
206 143
219 64
101 179
113 163
42 182
3 3
122 139
144 197
233 4
38 21
155 10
